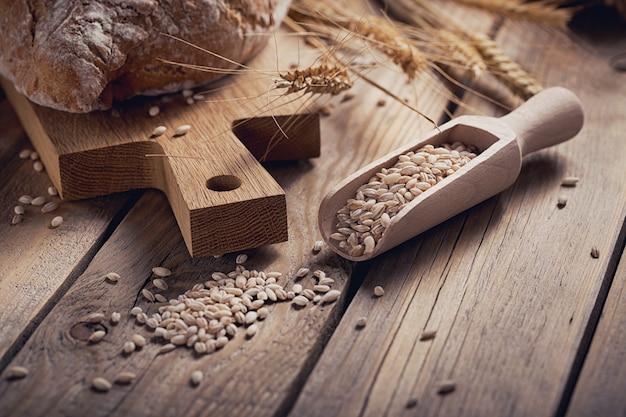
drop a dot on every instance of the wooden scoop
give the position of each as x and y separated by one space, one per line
550 117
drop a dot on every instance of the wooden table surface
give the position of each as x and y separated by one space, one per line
527 322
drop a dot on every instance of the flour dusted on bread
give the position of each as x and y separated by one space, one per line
80 56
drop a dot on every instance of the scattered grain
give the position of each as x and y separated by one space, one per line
561 201
262 313
94 318
25 153
52 191
101 384
326 281
241 259
25 199
331 296
154 110
142 318
196 377
221 341
161 271
361 322
160 284
379 291
167 348
148 295
129 346
16 219
446 387
115 317
124 378
96 336
16 372
56 221
251 330
112 277
428 335
182 130
569 181
321 288
297 288
19 210
136 310
308 293
319 274
595 253
38 166
138 340
302 272
317 246
158 131
38 201
49 207
300 300
160 298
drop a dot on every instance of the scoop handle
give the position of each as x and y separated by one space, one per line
552 116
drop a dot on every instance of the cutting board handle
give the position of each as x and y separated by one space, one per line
546 119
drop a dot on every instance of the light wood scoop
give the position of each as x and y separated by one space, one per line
549 118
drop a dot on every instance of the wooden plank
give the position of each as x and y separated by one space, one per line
37 261
599 387
508 286
275 363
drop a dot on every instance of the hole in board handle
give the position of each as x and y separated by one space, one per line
223 183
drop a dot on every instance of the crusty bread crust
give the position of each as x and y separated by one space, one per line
80 56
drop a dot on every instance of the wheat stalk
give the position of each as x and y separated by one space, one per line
504 68
392 43
458 50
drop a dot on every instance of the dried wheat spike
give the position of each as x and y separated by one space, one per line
504 68
391 42
461 51
322 79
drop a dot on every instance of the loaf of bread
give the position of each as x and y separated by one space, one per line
80 56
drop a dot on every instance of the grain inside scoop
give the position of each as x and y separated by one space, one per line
221 196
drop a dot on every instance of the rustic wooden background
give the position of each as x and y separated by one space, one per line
527 322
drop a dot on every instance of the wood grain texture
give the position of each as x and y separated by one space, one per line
38 262
509 286
600 386
100 153
276 362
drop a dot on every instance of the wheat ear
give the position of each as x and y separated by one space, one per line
504 68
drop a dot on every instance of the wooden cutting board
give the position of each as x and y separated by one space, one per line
221 196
